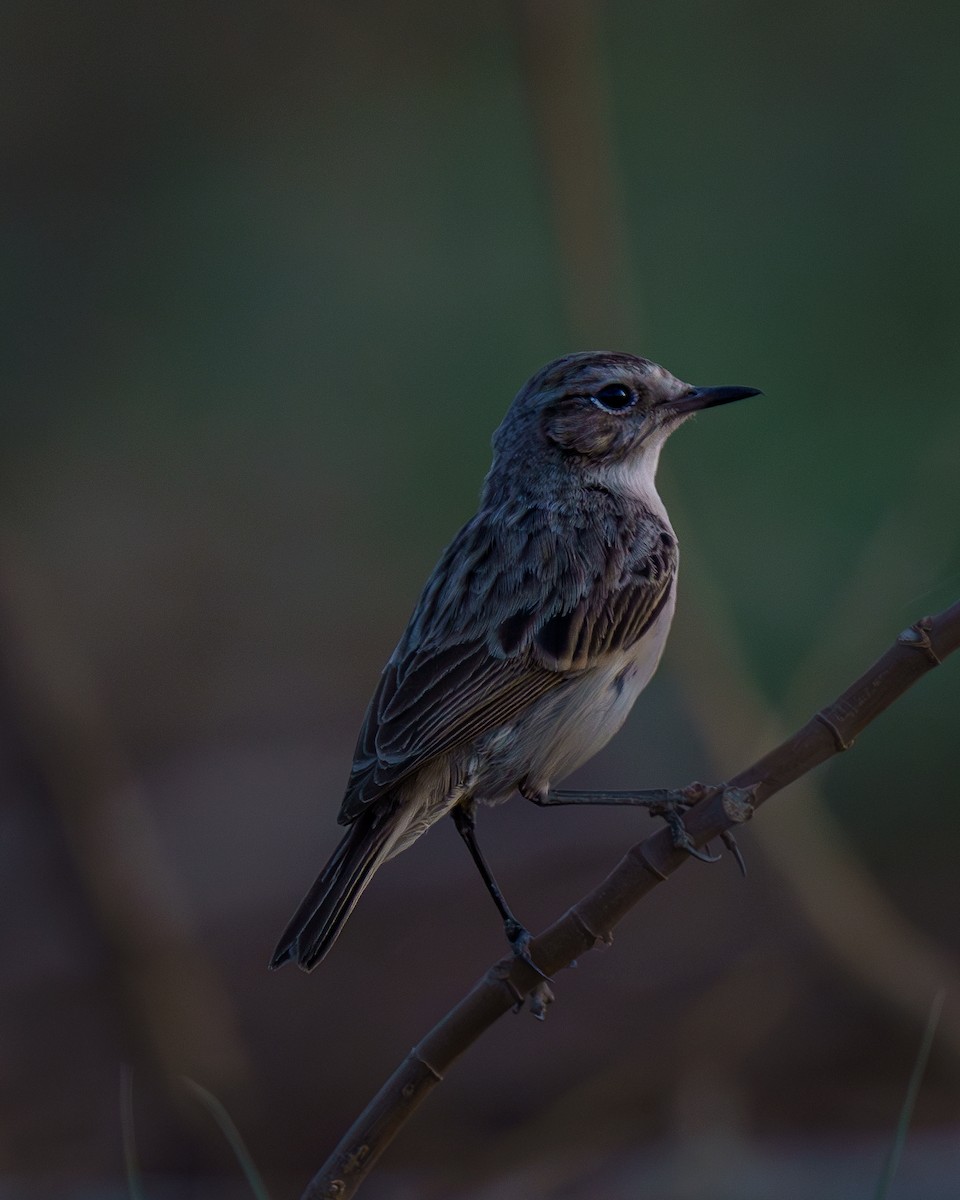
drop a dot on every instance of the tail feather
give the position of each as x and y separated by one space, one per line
323 912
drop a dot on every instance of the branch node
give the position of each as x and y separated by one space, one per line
839 740
416 1055
917 637
349 1163
596 939
738 804
540 997
641 853
696 792
501 973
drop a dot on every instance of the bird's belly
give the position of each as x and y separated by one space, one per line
568 726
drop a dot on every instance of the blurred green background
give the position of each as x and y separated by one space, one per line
273 274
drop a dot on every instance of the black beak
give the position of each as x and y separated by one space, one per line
708 397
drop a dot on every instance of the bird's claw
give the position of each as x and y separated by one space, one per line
731 844
683 841
672 812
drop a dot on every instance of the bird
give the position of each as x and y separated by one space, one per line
541 624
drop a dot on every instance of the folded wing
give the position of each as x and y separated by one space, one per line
509 614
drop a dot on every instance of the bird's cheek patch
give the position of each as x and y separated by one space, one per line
584 430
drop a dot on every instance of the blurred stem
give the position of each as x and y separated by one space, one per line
169 996
910 1099
561 68
866 935
232 1134
130 1156
905 536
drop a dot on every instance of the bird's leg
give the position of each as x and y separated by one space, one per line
464 817
669 803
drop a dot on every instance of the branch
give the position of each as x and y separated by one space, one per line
918 649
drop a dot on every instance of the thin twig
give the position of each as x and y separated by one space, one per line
917 649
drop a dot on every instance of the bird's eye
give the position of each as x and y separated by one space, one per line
614 397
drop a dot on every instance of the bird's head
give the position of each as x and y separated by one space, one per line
602 414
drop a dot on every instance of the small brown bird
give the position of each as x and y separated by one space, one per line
541 624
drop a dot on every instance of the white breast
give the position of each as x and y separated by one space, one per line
567 727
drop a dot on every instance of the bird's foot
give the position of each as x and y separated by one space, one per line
541 994
519 939
669 803
672 807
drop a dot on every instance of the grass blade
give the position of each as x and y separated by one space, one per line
130 1156
910 1099
232 1134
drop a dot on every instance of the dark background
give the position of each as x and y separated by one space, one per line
272 276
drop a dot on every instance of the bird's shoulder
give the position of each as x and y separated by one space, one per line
512 569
